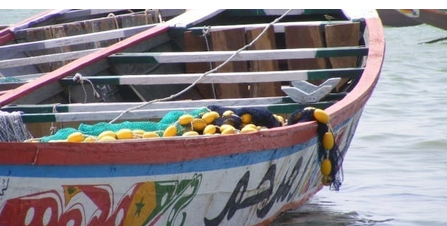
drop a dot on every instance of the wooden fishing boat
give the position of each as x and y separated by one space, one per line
253 112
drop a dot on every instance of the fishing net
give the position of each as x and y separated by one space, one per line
12 127
94 130
10 80
335 178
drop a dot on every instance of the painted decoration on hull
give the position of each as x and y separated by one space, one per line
92 205
146 203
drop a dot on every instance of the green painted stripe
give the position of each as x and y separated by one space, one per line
343 73
129 58
337 52
106 116
35 118
103 79
65 108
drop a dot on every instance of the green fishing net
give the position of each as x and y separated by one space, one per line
94 130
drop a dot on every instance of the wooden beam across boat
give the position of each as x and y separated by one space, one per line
87 13
74 40
204 56
224 77
19 62
278 27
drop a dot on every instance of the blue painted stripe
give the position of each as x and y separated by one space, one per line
200 165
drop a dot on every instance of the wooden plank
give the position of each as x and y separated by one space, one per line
257 55
48 93
224 77
230 40
194 43
267 41
73 40
75 67
86 13
59 32
138 20
101 25
57 57
309 37
121 106
339 36
278 27
33 35
145 114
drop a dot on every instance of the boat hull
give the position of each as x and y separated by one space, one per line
237 189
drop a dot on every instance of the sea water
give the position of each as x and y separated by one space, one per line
395 172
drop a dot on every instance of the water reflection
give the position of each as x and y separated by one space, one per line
319 212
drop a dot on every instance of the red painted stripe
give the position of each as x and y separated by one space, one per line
78 64
163 150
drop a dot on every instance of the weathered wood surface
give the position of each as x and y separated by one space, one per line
230 40
310 37
278 27
224 77
265 42
340 36
74 37
194 43
144 114
252 55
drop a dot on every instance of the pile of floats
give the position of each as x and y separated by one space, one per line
216 120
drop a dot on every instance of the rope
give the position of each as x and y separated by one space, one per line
112 15
53 128
79 79
205 32
206 73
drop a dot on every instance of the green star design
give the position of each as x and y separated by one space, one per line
139 206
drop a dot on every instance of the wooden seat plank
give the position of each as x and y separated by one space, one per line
278 27
148 113
258 55
74 40
224 77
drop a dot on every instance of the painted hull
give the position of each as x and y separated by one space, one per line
241 179
247 188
